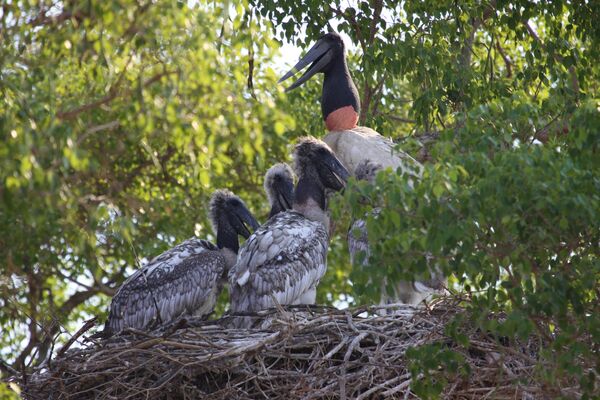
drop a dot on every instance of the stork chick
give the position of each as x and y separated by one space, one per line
187 279
279 186
283 261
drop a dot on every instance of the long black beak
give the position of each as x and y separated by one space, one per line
285 196
340 172
320 55
245 217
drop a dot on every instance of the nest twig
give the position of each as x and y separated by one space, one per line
298 354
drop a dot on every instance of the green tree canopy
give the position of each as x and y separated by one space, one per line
119 118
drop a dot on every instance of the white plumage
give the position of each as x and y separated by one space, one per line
352 146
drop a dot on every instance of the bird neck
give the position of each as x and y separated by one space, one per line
227 238
272 195
230 257
310 201
340 103
309 190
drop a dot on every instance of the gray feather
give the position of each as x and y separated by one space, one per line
294 262
178 282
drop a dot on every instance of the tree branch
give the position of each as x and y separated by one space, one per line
507 61
113 93
533 33
86 327
104 289
7 369
352 21
51 328
33 285
368 92
98 128
33 342
465 53
43 19
557 57
63 312
397 118
377 7
467 49
543 134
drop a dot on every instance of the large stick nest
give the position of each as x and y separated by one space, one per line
320 353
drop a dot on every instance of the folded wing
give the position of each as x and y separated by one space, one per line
282 262
183 280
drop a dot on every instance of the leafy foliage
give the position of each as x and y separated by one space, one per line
509 201
118 119
117 123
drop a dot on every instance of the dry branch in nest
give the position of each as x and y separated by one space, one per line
314 354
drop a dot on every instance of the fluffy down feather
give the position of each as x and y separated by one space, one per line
281 262
183 280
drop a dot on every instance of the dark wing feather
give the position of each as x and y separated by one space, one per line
184 280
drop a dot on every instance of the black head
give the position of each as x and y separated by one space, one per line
367 170
314 159
340 102
279 186
229 216
328 50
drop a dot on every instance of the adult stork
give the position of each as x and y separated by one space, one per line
187 279
407 292
283 261
279 186
340 106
